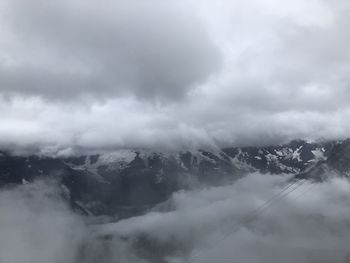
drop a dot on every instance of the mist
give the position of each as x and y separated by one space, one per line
37 226
308 223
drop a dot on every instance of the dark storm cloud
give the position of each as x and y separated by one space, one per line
152 49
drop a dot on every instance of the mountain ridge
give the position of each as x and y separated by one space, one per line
125 182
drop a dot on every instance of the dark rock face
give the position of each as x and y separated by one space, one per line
291 158
16 169
339 158
126 182
337 163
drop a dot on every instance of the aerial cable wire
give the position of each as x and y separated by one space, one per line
254 214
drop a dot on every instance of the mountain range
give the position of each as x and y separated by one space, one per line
128 182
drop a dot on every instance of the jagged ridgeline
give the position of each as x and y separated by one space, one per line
125 183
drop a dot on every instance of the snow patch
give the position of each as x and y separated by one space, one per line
319 154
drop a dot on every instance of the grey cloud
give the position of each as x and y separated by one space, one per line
235 74
310 224
151 50
37 226
307 225
35 124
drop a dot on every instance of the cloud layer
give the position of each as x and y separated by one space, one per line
310 224
98 75
37 226
307 225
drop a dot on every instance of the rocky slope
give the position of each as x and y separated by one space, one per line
337 164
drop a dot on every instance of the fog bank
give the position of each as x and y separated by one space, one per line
308 223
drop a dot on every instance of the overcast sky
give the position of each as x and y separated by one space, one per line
103 74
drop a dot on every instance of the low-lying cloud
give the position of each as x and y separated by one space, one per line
37 226
310 224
